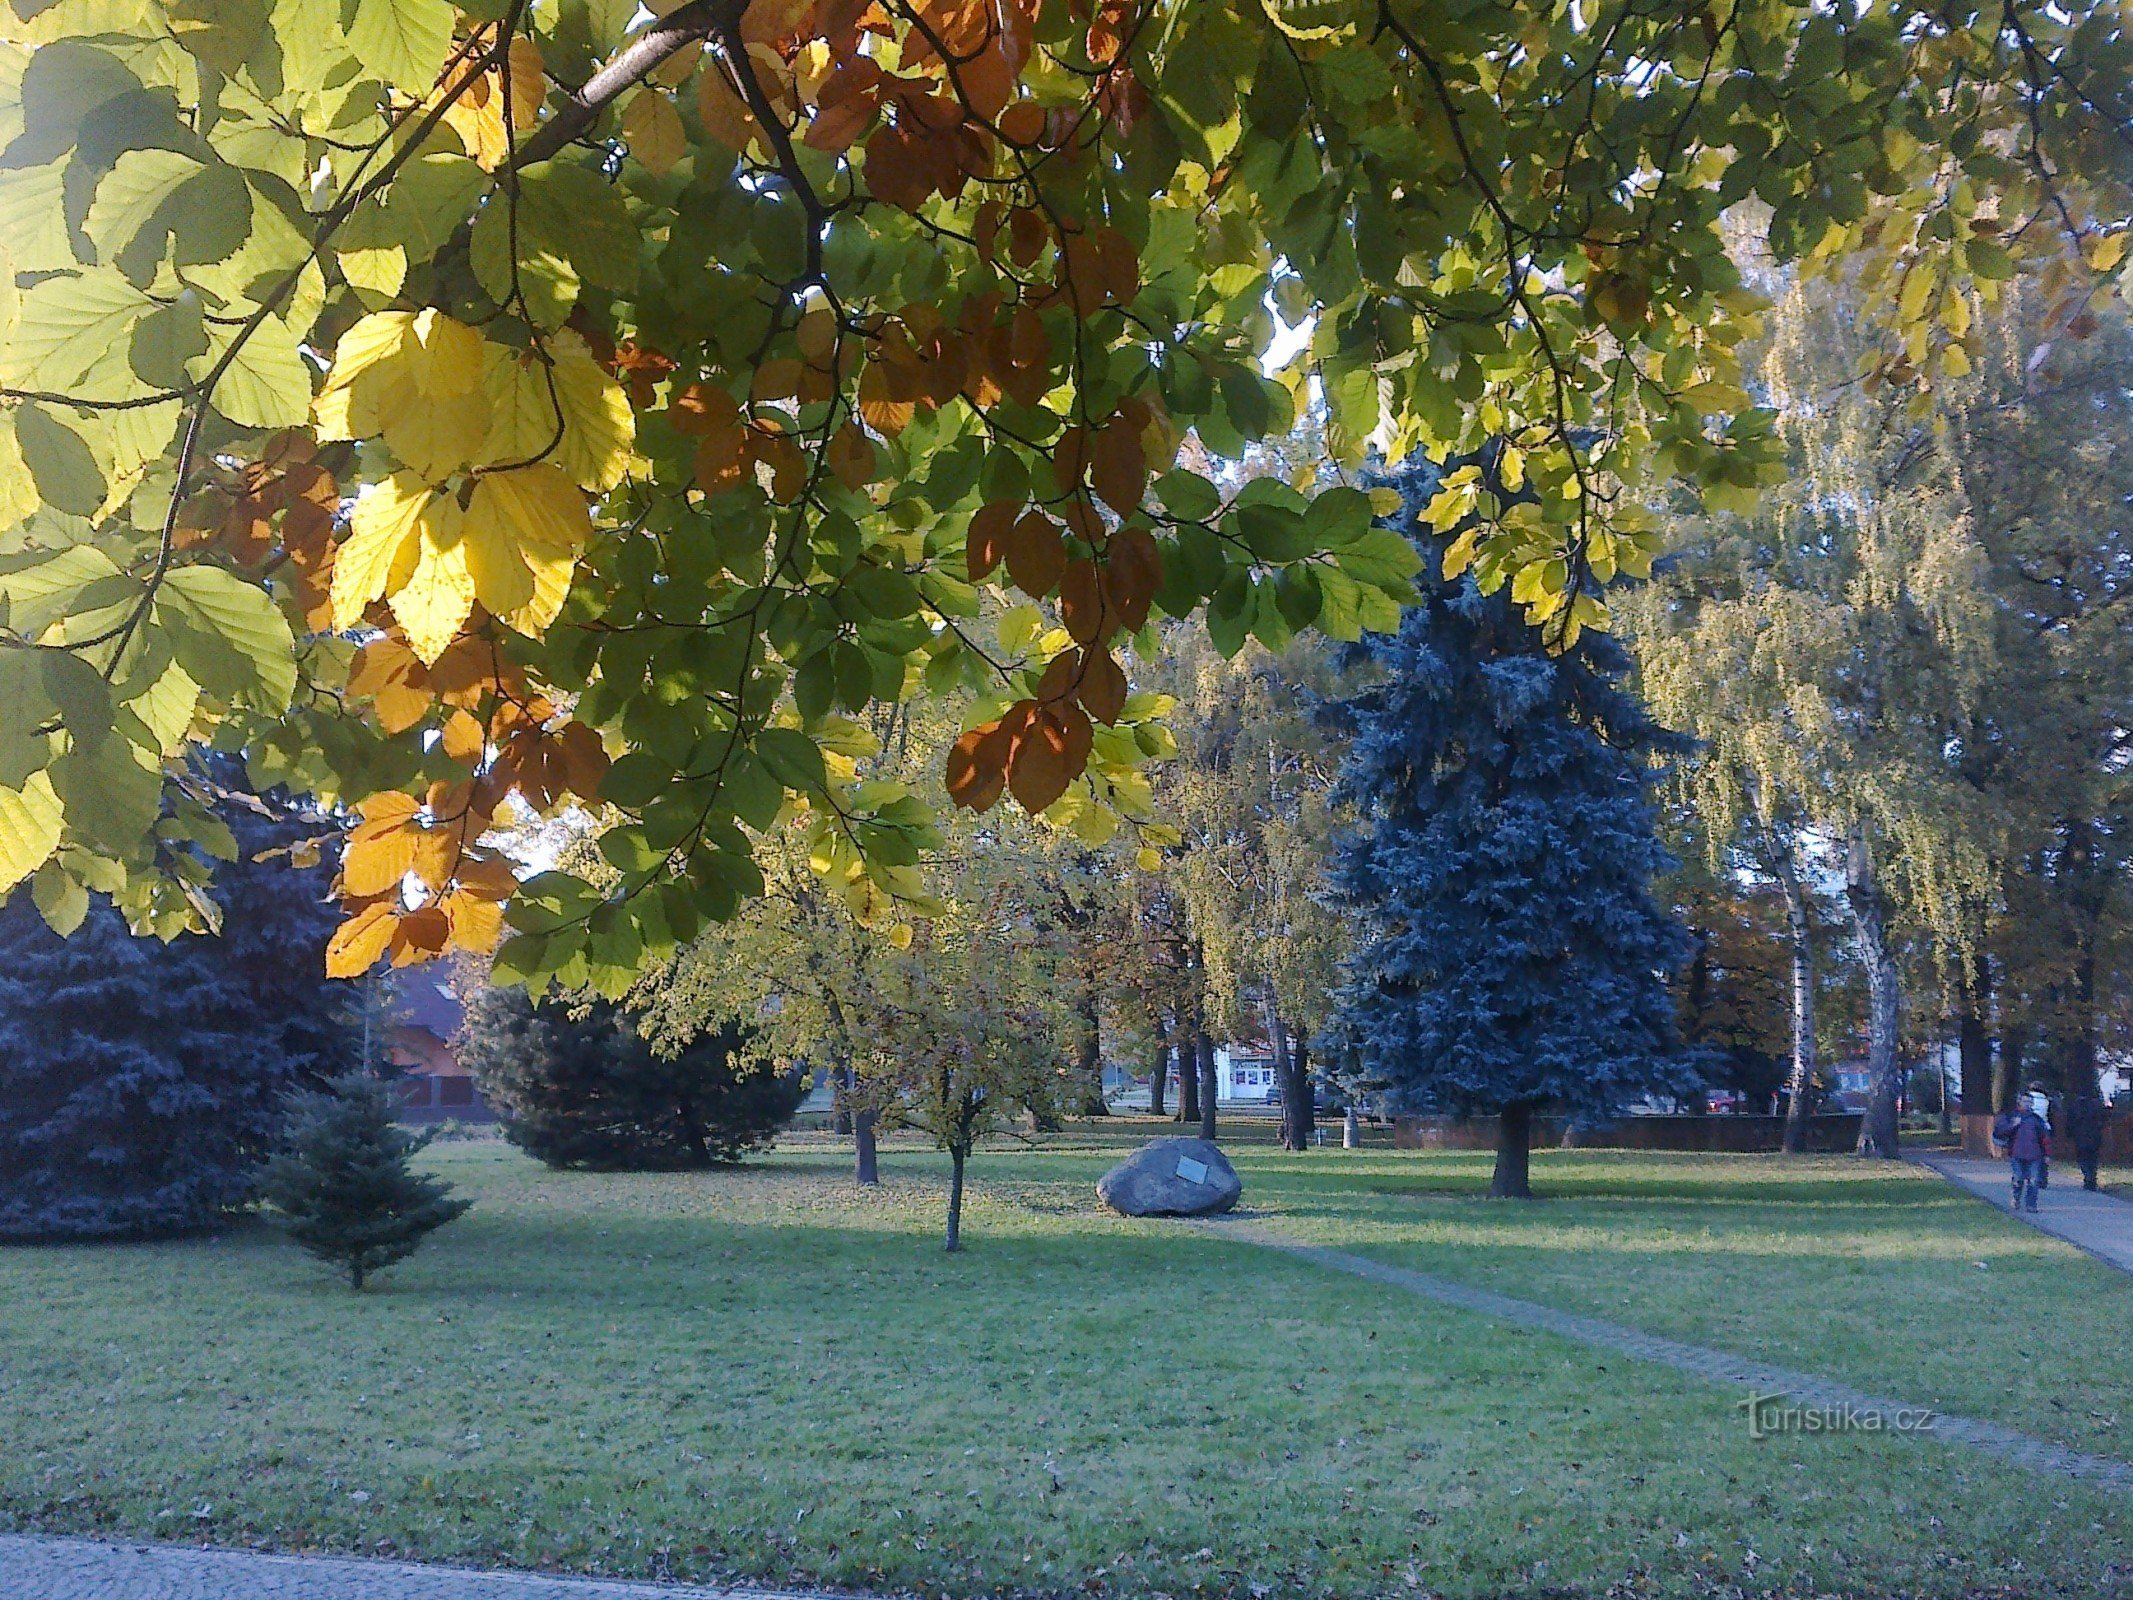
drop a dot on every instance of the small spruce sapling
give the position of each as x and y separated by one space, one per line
342 1182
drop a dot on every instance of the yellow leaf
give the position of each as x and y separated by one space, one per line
496 563
535 505
1150 859
476 923
653 129
1955 361
415 379
368 341
900 936
382 525
357 943
2103 251
600 429
439 593
524 423
376 864
551 585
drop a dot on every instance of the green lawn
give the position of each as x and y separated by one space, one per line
767 1374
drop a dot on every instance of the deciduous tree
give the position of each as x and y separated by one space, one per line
455 408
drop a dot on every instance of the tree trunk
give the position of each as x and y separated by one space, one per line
1089 1064
1351 1130
2077 1067
692 1131
1293 1078
1973 1052
1159 1084
1800 936
1300 1103
1514 1153
865 1167
957 1155
1204 1048
2007 1081
1884 1063
1189 1076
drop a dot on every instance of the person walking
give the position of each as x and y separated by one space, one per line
2027 1134
2084 1126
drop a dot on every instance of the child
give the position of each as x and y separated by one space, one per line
2027 1133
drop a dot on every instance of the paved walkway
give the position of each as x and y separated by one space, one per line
1759 1378
2101 1224
88 1569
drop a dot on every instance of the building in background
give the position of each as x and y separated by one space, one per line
423 1016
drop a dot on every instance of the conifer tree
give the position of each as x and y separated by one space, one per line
581 1087
342 1183
141 1083
1511 956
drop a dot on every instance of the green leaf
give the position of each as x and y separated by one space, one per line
402 41
792 757
33 218
67 324
62 468
229 637
572 228
266 384
127 201
1188 495
61 901
111 794
30 819
42 586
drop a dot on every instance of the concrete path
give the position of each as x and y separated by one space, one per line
91 1569
2101 1224
1770 1388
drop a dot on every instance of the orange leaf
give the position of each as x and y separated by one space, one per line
420 935
465 738
357 943
395 682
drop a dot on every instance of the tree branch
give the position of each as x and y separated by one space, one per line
690 24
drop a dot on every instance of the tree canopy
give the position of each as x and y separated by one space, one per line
545 400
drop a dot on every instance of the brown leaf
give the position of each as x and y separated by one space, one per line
723 460
1084 606
1050 753
1117 466
1103 686
977 767
1036 554
987 540
851 457
1135 572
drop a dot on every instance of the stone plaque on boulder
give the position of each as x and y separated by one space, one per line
1174 1177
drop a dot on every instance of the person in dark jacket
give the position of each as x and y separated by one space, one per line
2026 1133
2084 1126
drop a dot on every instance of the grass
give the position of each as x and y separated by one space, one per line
767 1374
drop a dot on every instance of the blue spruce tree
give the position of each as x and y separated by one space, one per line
141 1083
1511 957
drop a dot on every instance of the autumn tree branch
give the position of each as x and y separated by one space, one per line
689 24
